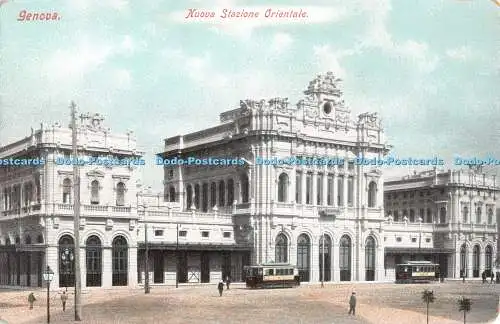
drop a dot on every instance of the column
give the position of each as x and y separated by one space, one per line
335 189
132 268
107 267
345 190
315 249
336 261
482 262
469 262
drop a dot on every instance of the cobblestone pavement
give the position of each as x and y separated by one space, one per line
377 303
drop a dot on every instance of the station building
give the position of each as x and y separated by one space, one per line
447 217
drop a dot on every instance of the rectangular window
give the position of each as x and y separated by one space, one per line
309 186
158 232
298 188
330 193
340 191
182 233
350 191
227 234
205 234
319 189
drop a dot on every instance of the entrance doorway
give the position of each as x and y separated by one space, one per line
205 267
158 259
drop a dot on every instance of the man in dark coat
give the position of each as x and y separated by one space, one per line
492 276
220 286
352 304
31 299
484 276
228 281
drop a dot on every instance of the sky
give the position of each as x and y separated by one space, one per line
430 69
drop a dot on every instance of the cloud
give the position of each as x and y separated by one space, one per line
281 42
328 58
73 63
462 53
121 79
96 5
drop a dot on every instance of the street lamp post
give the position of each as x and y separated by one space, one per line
48 275
146 258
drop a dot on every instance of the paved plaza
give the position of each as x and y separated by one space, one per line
377 303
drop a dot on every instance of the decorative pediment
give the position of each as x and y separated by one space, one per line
95 174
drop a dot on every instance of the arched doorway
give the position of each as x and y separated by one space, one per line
463 261
370 259
66 261
93 253
475 261
345 258
303 257
325 253
120 261
281 249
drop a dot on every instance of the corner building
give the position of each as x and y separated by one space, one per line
36 223
284 212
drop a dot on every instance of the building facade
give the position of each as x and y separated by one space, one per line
325 217
447 217
36 224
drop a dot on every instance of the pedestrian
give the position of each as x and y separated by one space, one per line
220 286
31 299
228 281
64 298
492 276
484 276
352 304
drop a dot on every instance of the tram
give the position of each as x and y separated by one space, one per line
272 275
417 271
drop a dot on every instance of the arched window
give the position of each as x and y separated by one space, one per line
345 258
281 249
222 193
230 192
303 256
7 241
27 240
442 215
213 194
370 259
283 188
189 197
93 253
490 216
18 240
197 196
120 261
204 197
28 193
67 188
478 215
475 261
94 192
39 239
66 261
429 216
325 254
244 188
171 193
396 216
465 216
463 260
120 194
412 216
488 259
372 194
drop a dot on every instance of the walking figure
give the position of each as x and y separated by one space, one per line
31 300
352 304
64 298
492 276
220 286
228 281
484 276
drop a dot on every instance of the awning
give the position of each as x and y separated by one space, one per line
393 250
195 247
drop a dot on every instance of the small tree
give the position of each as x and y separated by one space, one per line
464 305
428 297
